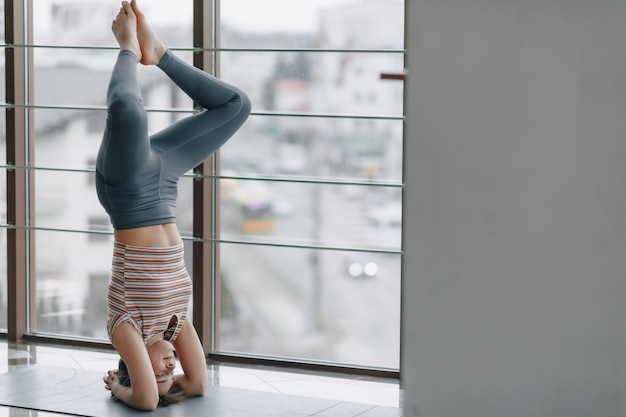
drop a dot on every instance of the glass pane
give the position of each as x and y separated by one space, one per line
83 79
88 23
71 137
184 210
311 214
68 200
329 306
67 138
73 269
80 79
321 113
312 23
72 276
317 82
339 149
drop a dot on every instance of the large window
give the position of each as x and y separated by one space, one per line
310 204
305 213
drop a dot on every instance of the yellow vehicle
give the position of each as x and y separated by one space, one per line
249 205
255 207
256 217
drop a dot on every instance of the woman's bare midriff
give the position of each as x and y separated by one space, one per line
161 235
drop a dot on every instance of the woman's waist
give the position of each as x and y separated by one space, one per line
161 235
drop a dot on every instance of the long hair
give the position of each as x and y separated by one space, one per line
174 395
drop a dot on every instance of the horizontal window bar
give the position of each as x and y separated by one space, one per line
197 175
199 109
86 108
327 116
227 357
303 180
302 246
199 49
197 239
12 167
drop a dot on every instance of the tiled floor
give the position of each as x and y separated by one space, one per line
351 389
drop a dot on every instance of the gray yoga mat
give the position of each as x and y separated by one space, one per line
80 392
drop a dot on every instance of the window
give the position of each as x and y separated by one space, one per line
310 257
306 201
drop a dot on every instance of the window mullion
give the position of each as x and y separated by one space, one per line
205 258
19 151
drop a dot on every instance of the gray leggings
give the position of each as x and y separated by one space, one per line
137 174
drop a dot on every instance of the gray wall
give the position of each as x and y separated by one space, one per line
514 278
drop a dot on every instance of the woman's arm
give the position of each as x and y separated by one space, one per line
143 392
192 360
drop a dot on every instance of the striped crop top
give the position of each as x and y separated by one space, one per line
150 288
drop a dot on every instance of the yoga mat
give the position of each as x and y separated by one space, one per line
80 392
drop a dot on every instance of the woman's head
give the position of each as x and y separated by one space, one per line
163 362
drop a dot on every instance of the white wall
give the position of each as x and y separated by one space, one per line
515 209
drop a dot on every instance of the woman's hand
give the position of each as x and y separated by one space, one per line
125 394
111 382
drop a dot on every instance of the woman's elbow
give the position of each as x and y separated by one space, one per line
148 403
198 389
149 407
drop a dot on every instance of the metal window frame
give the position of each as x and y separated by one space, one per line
205 192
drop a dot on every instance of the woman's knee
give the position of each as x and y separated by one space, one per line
126 106
245 106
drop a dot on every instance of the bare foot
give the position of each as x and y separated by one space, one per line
152 49
124 28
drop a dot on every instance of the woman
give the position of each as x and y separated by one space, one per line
136 180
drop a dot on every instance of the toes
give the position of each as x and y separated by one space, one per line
126 8
135 7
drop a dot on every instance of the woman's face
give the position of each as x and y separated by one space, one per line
163 363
